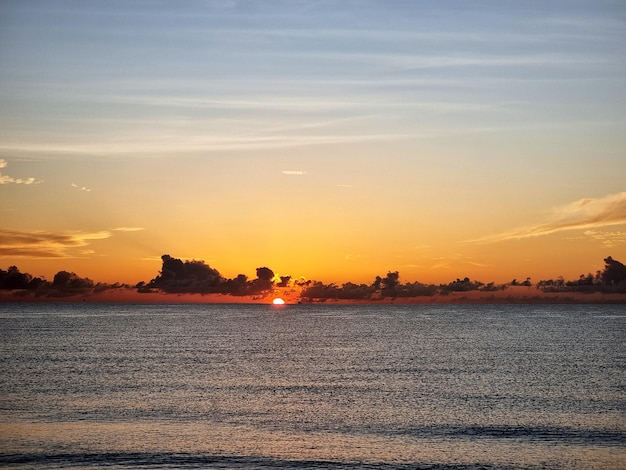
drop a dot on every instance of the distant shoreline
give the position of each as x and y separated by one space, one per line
511 295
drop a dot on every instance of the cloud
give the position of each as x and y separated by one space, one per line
42 244
149 258
582 214
80 188
608 239
128 229
454 264
294 172
154 144
6 179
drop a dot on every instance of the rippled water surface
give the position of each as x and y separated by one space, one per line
312 386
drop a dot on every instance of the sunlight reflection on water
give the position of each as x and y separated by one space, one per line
195 438
490 387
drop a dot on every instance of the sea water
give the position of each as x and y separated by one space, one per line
312 386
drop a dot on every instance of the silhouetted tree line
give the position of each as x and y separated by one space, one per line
197 277
12 278
177 276
391 287
382 287
611 279
64 283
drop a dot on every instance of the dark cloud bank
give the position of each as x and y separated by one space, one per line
197 277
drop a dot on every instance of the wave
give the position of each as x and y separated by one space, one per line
565 435
156 460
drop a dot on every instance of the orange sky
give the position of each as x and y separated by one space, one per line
331 144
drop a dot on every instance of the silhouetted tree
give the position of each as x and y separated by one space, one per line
237 286
319 290
69 280
172 269
415 289
583 280
264 281
386 287
614 272
389 284
462 285
350 290
188 276
12 278
491 287
265 274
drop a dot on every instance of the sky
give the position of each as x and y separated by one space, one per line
335 140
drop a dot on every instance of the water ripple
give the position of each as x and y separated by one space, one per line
181 460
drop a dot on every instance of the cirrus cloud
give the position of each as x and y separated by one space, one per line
588 213
129 229
608 239
44 244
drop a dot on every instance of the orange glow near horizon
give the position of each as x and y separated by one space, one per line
538 258
342 159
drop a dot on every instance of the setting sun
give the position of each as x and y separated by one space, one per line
397 179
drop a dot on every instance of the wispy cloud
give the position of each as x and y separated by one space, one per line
128 229
285 103
150 258
6 179
347 101
294 172
454 261
159 145
608 239
443 61
81 188
43 244
582 214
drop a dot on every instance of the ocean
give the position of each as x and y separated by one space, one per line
312 386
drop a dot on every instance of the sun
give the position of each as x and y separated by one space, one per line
278 301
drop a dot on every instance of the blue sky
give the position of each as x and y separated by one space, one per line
392 69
